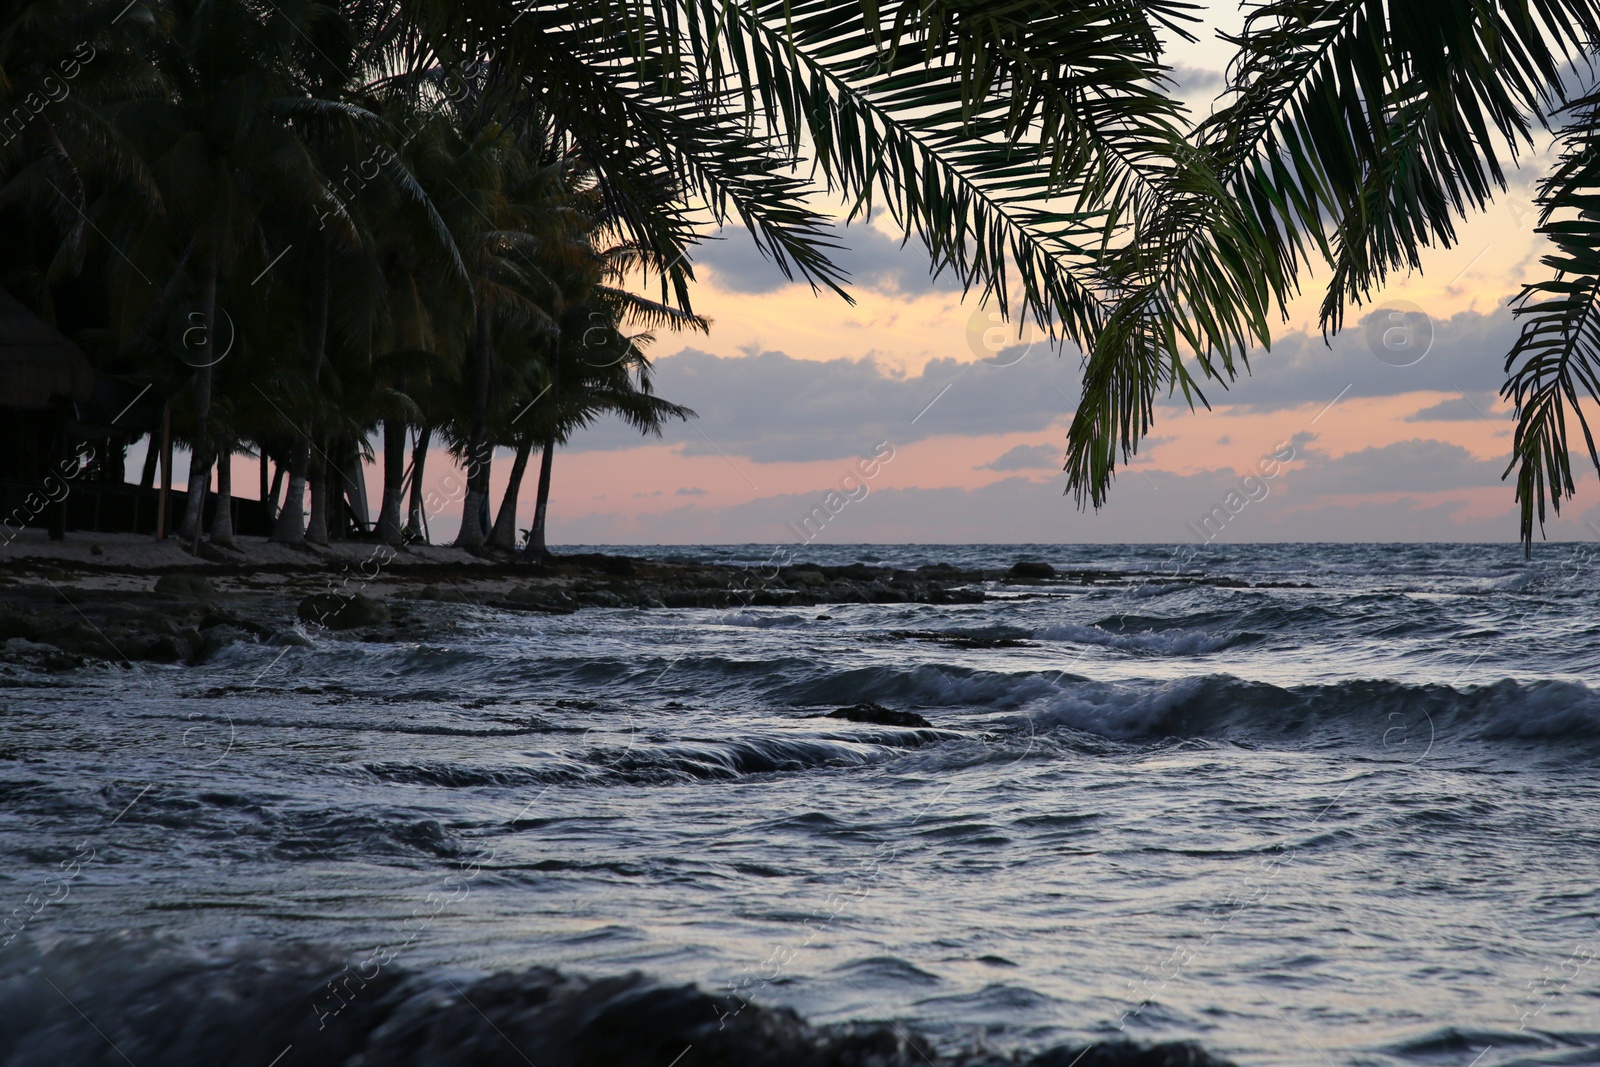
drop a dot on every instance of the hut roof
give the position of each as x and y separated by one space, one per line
37 364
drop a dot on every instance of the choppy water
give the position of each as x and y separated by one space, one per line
1351 821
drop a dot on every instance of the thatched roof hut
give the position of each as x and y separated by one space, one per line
38 366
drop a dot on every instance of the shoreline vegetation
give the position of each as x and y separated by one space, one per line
126 600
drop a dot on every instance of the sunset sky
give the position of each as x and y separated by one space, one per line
791 387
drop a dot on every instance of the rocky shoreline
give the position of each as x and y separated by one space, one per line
127 607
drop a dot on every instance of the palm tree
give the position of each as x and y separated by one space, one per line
216 145
1034 150
591 367
501 208
1353 135
62 60
1005 138
590 376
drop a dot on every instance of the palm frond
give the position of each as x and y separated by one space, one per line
1353 132
1557 355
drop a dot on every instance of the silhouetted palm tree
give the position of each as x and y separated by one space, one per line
214 144
1034 149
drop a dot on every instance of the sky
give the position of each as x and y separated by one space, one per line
1368 441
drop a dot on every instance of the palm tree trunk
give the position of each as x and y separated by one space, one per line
416 520
152 455
504 534
195 506
222 521
271 499
290 525
200 460
394 472
266 478
164 501
340 513
317 525
351 507
541 505
478 450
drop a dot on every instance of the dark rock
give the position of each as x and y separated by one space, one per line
222 617
538 598
196 586
191 642
1028 568
879 715
340 611
15 623
49 657
154 648
214 639
598 561
247 1008
1127 1054
79 639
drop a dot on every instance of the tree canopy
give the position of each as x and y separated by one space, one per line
1036 149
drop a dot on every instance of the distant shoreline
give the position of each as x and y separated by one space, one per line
132 599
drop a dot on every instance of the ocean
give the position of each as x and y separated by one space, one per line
1293 804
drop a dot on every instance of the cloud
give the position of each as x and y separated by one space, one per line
1405 466
1025 458
770 407
691 491
1316 498
1461 409
1197 79
873 259
1467 354
1021 510
773 408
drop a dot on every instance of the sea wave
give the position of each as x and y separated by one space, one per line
1388 713
641 762
1170 643
291 1006
1392 715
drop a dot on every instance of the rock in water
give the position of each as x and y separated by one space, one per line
1028 568
879 715
197 586
341 611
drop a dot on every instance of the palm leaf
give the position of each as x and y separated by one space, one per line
1557 355
1354 132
